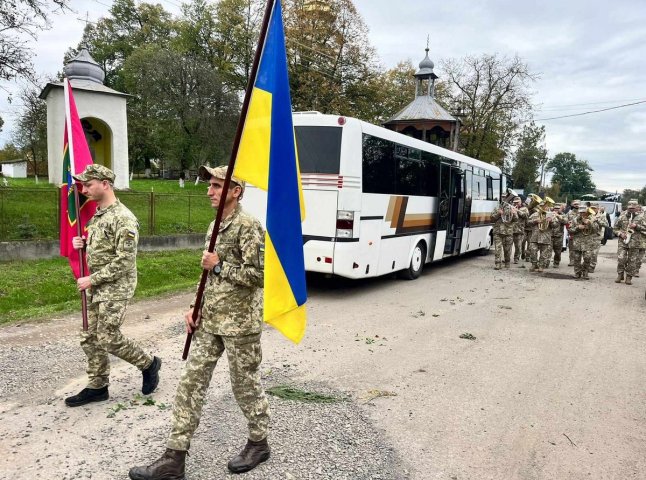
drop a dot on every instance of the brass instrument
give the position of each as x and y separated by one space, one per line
545 214
629 231
534 201
507 206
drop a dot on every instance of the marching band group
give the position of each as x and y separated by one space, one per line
535 231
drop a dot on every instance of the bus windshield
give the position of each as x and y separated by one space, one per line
319 149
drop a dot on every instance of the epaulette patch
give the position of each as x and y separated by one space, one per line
132 234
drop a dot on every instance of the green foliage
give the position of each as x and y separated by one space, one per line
572 175
291 393
26 229
40 288
629 194
530 156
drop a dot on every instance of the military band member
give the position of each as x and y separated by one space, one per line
231 322
558 221
519 228
628 244
112 260
504 217
600 218
584 230
571 215
642 243
531 202
541 239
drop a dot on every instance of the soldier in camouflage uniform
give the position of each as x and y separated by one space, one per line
642 243
112 261
519 228
525 254
540 242
504 218
600 218
557 233
628 224
584 230
231 321
571 215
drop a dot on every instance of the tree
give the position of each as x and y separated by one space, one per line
19 20
182 111
30 134
529 157
493 93
571 174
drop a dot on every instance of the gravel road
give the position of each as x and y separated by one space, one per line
551 387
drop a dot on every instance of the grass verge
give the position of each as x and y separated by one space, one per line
34 289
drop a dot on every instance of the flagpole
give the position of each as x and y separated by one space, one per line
234 153
77 212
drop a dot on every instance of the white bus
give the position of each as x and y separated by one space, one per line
378 202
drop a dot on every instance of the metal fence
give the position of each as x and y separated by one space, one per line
34 213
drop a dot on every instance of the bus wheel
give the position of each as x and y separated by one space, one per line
416 266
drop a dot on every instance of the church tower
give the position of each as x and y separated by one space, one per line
424 118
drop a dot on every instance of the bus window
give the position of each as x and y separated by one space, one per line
379 167
319 149
495 183
479 187
431 164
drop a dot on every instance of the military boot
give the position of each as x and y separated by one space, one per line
620 278
250 457
629 280
151 376
584 276
88 395
555 265
532 268
170 466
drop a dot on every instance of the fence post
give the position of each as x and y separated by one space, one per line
151 215
189 213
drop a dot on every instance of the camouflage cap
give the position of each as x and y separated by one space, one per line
516 199
576 202
632 203
583 210
95 172
206 172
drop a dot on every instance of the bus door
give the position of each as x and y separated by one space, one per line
453 194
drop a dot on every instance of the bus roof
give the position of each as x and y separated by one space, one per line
308 118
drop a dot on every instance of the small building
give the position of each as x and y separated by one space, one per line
424 118
14 168
103 115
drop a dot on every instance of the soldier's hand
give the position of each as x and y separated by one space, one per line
78 243
209 260
83 283
632 225
500 212
188 318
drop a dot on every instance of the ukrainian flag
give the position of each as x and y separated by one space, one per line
267 159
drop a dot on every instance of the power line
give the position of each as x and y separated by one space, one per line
591 111
556 107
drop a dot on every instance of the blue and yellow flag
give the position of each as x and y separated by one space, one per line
267 159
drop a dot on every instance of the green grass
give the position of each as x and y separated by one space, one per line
31 290
291 393
30 212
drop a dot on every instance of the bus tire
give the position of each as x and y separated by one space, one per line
417 261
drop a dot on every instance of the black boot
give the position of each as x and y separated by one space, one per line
170 466
151 376
87 395
250 457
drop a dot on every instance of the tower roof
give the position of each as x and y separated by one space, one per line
424 107
84 67
426 68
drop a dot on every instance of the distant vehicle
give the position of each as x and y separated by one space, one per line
378 202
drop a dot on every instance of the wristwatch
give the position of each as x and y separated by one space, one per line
217 268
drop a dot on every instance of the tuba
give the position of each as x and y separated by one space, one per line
534 201
545 214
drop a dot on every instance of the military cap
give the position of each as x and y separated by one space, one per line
95 172
576 202
205 172
632 203
583 210
516 199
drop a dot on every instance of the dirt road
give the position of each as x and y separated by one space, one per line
552 386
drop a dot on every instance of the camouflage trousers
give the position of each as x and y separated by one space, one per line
244 355
525 250
540 254
570 248
502 245
104 336
557 248
595 253
640 258
627 260
519 238
581 260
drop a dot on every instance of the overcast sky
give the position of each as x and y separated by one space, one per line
588 53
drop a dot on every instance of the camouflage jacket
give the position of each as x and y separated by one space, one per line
523 215
602 221
233 299
500 227
584 239
528 226
538 235
557 225
637 238
112 253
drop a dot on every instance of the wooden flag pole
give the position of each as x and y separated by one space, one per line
199 296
